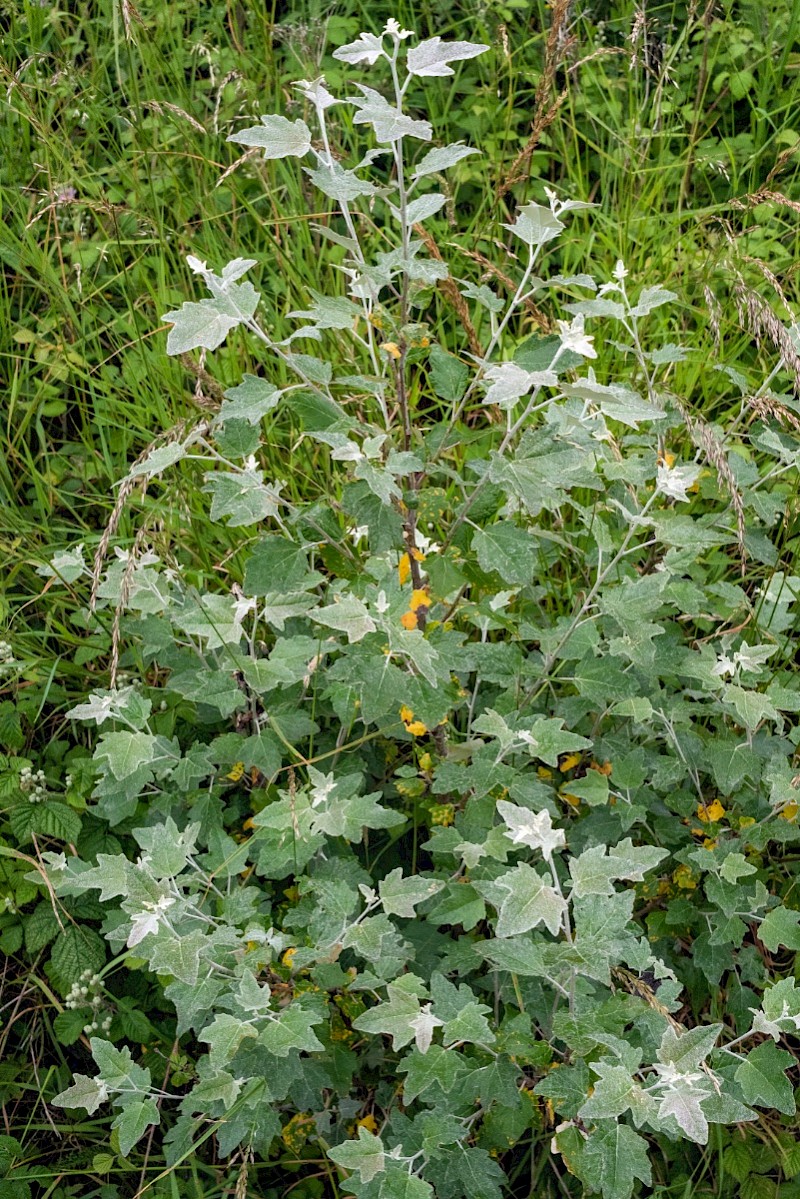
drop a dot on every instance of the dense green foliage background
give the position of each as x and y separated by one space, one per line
682 128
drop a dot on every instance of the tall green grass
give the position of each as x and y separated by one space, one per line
112 152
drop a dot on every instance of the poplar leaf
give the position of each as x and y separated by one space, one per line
682 1102
781 926
615 1156
293 1029
763 1079
399 895
530 901
440 158
534 829
686 1050
277 136
251 400
431 57
596 869
134 1120
85 1092
423 207
346 614
535 225
366 48
364 1155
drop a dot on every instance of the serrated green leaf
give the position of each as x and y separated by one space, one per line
41 927
781 926
85 1092
530 901
68 1026
75 950
763 1079
48 819
293 1029
365 1155
134 1120
251 400
596 869
400 895
615 1156
686 1050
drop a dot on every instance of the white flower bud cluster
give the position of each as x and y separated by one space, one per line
7 660
32 783
88 992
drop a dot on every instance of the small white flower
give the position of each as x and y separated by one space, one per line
359 533
424 544
573 337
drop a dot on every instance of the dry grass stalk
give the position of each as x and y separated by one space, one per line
242 1178
714 316
251 153
765 195
557 46
758 318
767 406
124 596
159 107
130 14
707 440
126 489
539 318
449 289
229 78
637 35
781 161
204 382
